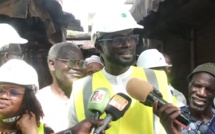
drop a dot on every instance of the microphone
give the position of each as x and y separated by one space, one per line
143 91
115 109
98 101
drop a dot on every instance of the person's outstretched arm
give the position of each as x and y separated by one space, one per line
167 115
84 127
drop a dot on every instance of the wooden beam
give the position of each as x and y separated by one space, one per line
82 36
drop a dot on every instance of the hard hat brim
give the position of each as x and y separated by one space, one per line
161 66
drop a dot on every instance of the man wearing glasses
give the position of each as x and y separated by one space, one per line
9 44
66 64
112 34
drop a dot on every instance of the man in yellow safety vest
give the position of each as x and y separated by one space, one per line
112 34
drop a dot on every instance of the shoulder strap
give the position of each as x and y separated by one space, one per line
84 87
41 128
87 91
151 77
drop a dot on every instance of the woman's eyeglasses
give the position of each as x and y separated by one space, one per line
11 92
73 63
119 41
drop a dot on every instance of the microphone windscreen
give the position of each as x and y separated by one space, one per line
138 88
118 105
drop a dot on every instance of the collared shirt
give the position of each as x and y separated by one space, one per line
118 82
195 126
178 95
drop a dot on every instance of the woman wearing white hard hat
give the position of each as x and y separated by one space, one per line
20 111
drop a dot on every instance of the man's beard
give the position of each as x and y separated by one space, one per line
119 62
198 108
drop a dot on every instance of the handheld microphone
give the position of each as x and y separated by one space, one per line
115 109
142 91
98 101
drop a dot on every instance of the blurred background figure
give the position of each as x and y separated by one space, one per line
9 44
153 59
168 69
94 64
10 51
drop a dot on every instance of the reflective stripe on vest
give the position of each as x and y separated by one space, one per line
162 78
133 115
175 101
41 129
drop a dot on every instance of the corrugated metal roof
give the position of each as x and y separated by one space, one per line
84 44
48 11
142 8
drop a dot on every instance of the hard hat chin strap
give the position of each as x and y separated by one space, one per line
10 120
33 88
99 35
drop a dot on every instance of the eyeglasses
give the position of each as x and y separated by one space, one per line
18 55
73 63
119 41
11 92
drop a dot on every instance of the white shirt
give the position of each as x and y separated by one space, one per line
118 84
178 95
55 109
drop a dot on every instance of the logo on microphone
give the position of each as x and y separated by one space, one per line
98 96
118 102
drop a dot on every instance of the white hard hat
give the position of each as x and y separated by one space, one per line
151 58
18 72
113 20
9 35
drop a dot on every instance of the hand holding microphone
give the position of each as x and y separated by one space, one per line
115 109
168 114
83 127
142 91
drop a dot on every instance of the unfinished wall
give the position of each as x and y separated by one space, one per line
187 56
179 49
205 43
36 55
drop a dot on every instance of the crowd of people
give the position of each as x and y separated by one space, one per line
61 107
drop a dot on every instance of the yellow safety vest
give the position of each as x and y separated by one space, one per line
138 119
41 128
